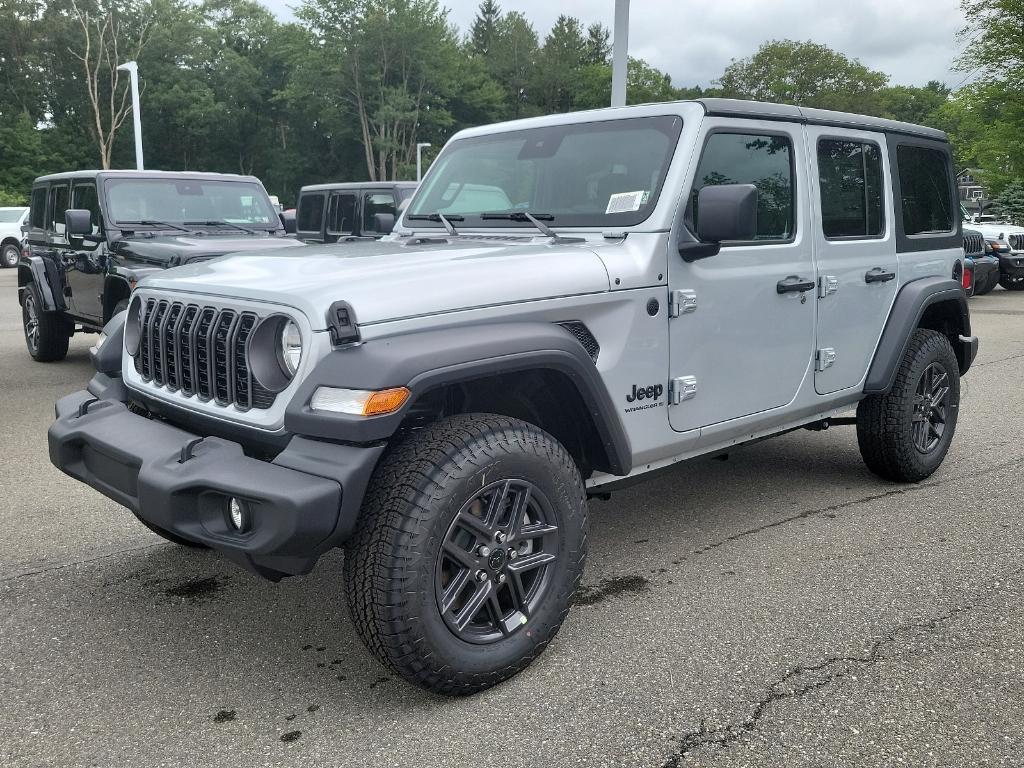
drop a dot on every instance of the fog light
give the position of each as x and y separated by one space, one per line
239 514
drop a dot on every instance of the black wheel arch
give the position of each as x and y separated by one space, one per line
534 371
936 303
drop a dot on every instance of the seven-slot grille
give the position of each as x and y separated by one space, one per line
200 351
974 244
1016 242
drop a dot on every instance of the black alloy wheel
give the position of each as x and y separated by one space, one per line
495 563
931 405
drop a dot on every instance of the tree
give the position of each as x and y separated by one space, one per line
485 28
557 75
109 36
807 74
644 85
1009 204
512 60
597 47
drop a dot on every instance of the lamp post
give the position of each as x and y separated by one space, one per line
620 53
419 158
132 68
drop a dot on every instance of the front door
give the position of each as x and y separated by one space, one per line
85 257
855 248
748 344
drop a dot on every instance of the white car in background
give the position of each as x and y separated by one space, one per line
11 220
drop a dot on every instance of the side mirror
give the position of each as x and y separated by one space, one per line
288 221
77 223
727 212
384 223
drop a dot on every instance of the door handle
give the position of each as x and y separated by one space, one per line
879 275
794 284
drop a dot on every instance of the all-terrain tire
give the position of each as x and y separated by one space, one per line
886 423
419 491
46 333
1011 285
987 287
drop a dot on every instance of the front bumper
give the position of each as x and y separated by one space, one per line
302 504
1011 268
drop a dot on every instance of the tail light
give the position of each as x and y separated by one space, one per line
967 278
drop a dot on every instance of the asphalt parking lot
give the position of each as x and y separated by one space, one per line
781 608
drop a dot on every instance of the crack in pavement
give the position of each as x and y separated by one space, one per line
833 668
853 502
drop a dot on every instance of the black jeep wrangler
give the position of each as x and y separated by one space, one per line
92 235
328 213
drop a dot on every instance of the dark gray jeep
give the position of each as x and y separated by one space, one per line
91 235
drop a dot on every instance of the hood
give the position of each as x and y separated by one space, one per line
990 230
173 250
389 280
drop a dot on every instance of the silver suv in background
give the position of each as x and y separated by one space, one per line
567 305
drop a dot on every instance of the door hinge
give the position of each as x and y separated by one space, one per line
824 358
827 285
682 303
681 389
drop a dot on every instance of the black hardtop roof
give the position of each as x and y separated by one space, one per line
133 174
762 110
358 185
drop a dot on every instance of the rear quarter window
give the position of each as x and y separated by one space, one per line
925 184
37 217
310 215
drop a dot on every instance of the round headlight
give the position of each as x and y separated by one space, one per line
291 347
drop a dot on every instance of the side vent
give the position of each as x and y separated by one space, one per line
584 337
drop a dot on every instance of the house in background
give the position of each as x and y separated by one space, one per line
972 193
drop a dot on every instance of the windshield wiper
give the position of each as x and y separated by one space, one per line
218 223
537 220
441 218
155 223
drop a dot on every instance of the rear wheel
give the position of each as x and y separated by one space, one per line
46 333
9 255
468 552
904 434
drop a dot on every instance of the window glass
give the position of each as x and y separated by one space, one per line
38 215
850 177
925 190
311 213
374 203
58 206
598 174
190 201
341 216
83 197
11 215
762 160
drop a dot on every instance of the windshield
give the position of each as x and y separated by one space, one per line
11 215
580 175
192 201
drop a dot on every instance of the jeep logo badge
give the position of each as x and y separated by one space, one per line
651 392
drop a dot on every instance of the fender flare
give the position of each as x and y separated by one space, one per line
913 299
38 268
425 360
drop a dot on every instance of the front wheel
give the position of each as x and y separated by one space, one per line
904 434
986 287
9 255
46 333
468 553
1012 283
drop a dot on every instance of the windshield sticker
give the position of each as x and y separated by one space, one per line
627 202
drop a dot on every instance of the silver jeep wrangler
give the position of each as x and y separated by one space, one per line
568 303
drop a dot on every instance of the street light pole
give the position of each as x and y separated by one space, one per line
132 68
419 159
620 53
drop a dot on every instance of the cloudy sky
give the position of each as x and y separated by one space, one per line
693 40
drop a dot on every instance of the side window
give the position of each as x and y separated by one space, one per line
38 215
83 196
341 216
311 213
764 160
374 203
925 185
58 205
850 178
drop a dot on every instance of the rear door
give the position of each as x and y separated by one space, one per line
855 246
342 216
747 343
